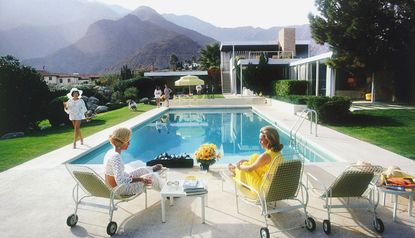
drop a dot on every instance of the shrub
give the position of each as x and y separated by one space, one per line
131 93
332 109
56 114
23 96
290 87
294 99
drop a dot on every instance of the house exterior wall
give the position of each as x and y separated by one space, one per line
286 39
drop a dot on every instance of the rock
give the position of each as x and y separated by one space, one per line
92 103
144 100
12 135
93 100
101 109
85 98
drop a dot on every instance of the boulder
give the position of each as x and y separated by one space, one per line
93 100
101 109
85 98
12 135
144 100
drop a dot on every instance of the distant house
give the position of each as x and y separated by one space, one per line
65 79
293 59
280 53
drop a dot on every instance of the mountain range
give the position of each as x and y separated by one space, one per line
110 38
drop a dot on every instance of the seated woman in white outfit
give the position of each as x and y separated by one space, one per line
115 173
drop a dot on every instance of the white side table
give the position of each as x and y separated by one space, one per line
395 194
171 190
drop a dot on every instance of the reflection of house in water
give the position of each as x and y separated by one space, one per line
235 126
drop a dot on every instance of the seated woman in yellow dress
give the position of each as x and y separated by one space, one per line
253 171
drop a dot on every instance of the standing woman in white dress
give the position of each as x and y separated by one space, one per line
157 95
76 109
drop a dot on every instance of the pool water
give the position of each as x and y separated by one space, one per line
235 132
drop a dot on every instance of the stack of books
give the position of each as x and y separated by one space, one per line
400 184
193 186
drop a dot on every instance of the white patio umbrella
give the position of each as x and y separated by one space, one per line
189 80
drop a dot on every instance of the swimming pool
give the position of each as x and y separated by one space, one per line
179 131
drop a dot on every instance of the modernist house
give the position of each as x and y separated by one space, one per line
294 61
64 79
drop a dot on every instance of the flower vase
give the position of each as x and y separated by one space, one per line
204 166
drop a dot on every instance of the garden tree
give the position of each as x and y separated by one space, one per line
214 76
174 60
367 35
126 72
210 56
107 80
258 78
23 96
131 93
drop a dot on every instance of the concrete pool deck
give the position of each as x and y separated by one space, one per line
36 197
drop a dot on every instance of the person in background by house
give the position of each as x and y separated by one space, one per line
212 91
167 92
76 109
157 95
132 105
115 173
199 89
252 172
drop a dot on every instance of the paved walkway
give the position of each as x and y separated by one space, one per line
365 105
36 197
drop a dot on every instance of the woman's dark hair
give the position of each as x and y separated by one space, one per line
271 134
74 92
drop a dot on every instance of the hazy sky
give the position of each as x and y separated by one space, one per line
231 13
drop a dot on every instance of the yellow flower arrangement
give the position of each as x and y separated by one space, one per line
207 154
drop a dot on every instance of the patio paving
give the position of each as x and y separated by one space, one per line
37 197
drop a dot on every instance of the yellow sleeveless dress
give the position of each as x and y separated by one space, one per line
254 178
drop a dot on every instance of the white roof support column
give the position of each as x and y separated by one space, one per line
317 76
330 81
233 84
373 98
241 67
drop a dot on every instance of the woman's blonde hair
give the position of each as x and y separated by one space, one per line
120 137
273 138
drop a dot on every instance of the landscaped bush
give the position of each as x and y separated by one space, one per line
56 114
131 93
290 87
23 96
332 109
293 99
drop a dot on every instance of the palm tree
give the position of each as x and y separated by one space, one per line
210 56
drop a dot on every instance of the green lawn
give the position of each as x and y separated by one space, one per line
393 130
18 150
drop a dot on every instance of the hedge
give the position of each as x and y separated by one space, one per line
290 87
293 99
332 109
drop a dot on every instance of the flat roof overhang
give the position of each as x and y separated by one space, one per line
255 45
175 73
270 61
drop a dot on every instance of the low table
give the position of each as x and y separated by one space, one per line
395 194
175 189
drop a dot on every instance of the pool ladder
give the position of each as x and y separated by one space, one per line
300 120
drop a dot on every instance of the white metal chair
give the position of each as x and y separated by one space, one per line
94 185
282 182
357 181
